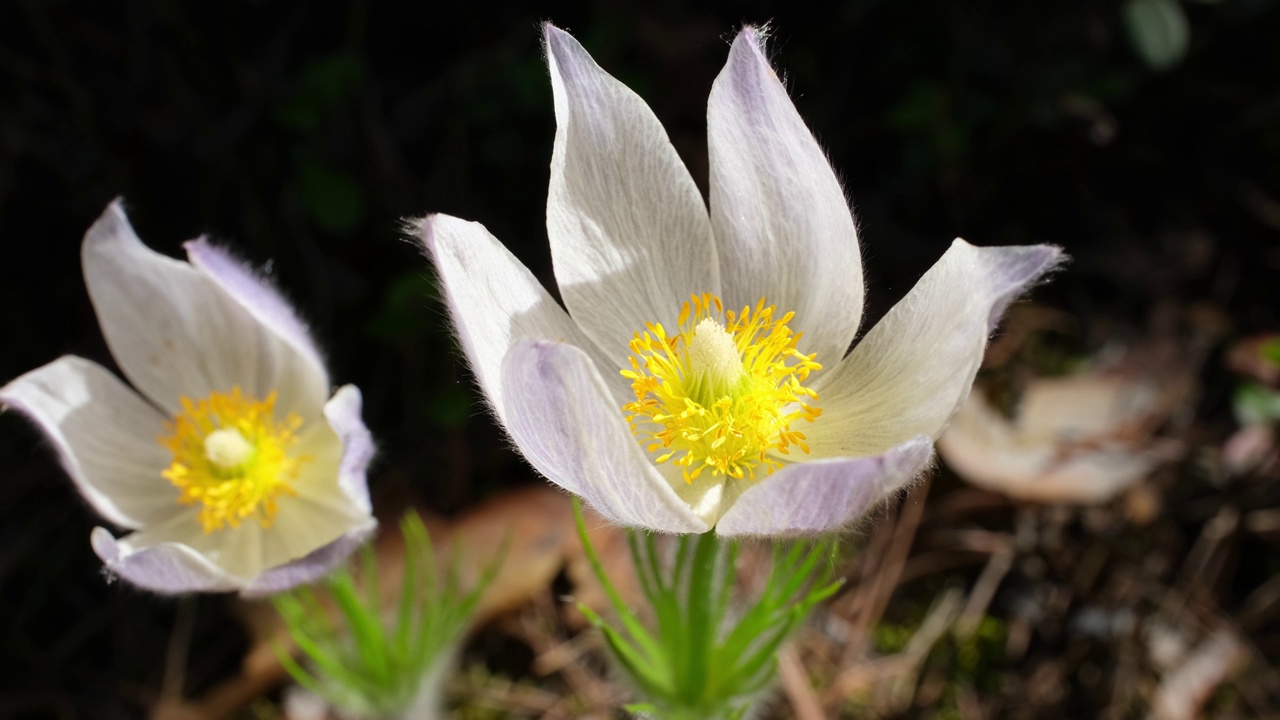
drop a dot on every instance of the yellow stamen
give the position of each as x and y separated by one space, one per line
720 394
233 457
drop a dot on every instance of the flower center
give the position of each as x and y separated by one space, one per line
723 393
233 457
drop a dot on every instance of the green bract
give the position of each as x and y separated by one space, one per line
707 658
371 663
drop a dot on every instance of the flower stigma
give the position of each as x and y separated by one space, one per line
233 457
723 393
227 448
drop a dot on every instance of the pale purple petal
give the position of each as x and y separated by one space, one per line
167 568
314 566
564 420
1011 269
175 332
913 370
257 295
314 518
493 299
783 227
824 496
105 436
630 236
343 411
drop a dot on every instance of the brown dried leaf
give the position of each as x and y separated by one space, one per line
1249 358
1248 448
1184 690
1076 439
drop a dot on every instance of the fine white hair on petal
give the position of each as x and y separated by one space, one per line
105 436
824 496
630 236
262 299
494 301
783 227
912 371
564 420
175 332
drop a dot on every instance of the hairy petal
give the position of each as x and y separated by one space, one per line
824 496
175 332
783 227
494 301
105 436
262 300
912 371
568 426
630 236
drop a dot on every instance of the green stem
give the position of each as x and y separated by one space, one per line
701 627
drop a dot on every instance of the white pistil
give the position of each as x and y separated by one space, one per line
227 448
714 358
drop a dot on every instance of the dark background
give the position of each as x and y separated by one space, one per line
302 134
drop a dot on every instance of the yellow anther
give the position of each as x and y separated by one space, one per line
233 457
723 393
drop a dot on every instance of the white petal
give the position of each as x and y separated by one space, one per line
314 566
328 504
177 333
304 524
165 568
316 517
629 231
343 414
824 496
105 436
566 423
783 227
708 496
331 501
494 301
262 300
912 371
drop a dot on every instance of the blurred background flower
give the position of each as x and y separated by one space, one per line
227 458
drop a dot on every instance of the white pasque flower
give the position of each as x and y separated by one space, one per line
231 464
700 377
